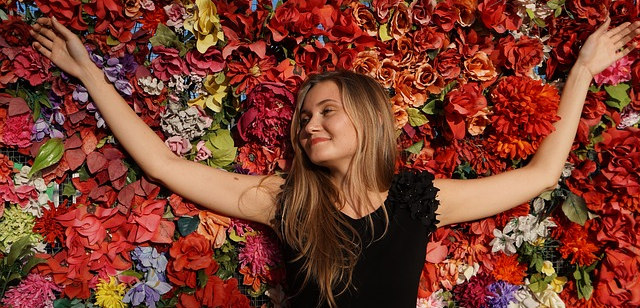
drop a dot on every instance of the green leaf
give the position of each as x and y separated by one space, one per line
575 208
26 268
68 190
546 195
50 153
384 32
112 41
416 118
416 147
447 89
537 284
202 278
166 37
132 273
18 249
43 100
619 95
236 238
187 224
430 107
83 173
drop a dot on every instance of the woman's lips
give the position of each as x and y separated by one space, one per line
318 140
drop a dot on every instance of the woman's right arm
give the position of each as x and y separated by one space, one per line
231 194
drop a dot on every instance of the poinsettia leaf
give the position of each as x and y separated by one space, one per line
50 153
575 208
186 225
96 162
116 169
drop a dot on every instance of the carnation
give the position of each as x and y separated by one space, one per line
259 253
618 72
267 116
35 291
32 66
17 130
475 292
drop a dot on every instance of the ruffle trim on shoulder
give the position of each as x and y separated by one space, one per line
414 189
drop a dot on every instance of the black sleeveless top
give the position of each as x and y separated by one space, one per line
388 271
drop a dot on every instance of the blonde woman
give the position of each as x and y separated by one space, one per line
355 233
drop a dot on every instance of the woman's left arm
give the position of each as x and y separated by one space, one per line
466 200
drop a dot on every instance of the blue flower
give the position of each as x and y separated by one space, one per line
503 294
149 258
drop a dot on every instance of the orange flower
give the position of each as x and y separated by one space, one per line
480 67
403 50
364 18
401 21
576 242
467 11
366 62
508 269
213 227
513 147
386 73
428 79
191 252
405 82
400 114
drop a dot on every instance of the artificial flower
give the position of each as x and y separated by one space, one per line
34 291
191 252
109 294
15 225
205 25
618 72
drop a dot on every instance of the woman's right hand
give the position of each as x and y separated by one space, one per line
61 46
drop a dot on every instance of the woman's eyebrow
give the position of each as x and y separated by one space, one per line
322 102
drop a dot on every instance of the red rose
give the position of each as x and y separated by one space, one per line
401 21
565 37
422 11
15 31
594 11
311 56
191 252
467 10
447 63
445 15
622 11
619 155
7 75
463 102
67 12
183 277
429 38
168 63
382 8
285 16
205 64
345 29
521 56
364 18
619 278
499 15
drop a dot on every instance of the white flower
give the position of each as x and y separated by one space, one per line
151 85
503 242
433 301
466 271
524 298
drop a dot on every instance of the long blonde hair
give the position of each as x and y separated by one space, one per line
308 198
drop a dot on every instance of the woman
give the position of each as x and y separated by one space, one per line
355 233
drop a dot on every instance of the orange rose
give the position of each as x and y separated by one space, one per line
364 18
477 123
403 49
399 113
386 73
479 67
428 79
401 21
405 82
132 8
191 252
366 62
213 227
467 10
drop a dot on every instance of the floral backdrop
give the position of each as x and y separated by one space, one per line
474 85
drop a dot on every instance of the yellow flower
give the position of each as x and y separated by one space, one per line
205 25
558 283
109 294
217 86
547 268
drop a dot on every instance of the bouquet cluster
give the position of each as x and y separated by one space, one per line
474 86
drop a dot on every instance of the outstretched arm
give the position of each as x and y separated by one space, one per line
466 200
231 194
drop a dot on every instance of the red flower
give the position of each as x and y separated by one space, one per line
618 281
429 38
191 252
462 103
15 31
593 11
474 292
267 117
47 226
524 112
445 15
566 35
250 71
483 160
67 12
499 15
508 268
147 224
285 16
168 63
521 56
422 11
17 130
182 207
32 66
447 63
6 166
151 19
257 159
619 155
312 56
382 8
577 242
207 63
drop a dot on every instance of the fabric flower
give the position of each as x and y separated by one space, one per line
178 145
33 291
17 130
267 116
176 14
206 63
109 294
168 63
503 294
15 225
189 123
508 269
149 258
191 252
32 66
203 152
258 253
213 227
205 25
618 72
475 292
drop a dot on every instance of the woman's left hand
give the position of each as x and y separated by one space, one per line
603 48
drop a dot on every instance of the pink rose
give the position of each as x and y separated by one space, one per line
178 145
207 63
203 151
168 63
175 13
616 73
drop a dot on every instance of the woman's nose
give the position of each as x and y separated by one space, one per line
313 125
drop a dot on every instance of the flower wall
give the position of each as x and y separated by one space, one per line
474 86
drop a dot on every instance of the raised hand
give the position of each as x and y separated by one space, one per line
61 46
603 48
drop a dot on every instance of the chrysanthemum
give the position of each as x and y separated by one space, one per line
475 292
47 226
109 294
508 268
258 252
576 242
34 291
503 294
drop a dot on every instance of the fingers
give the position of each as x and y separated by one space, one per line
617 30
627 50
626 35
66 33
604 26
46 52
44 40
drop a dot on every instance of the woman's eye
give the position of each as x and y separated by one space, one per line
326 111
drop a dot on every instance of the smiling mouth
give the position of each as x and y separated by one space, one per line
315 141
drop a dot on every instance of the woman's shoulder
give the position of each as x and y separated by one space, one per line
414 189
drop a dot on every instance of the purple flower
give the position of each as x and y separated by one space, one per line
39 130
80 94
503 294
148 292
148 258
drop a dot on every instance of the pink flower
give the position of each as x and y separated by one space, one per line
32 66
616 73
176 14
168 63
34 291
207 63
17 131
258 252
178 145
203 151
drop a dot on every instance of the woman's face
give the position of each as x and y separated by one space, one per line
326 133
